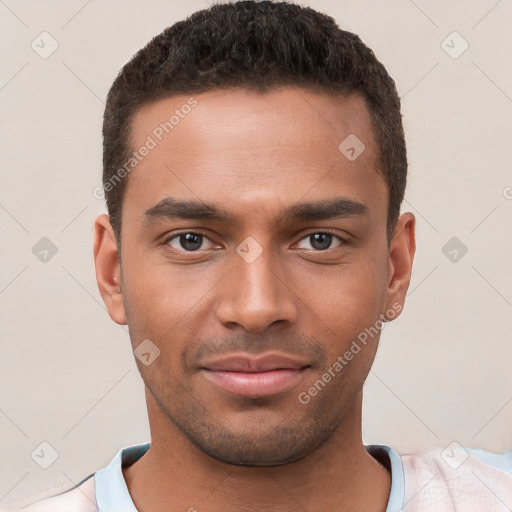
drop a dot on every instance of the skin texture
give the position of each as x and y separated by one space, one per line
254 155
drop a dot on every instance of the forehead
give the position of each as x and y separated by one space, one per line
248 150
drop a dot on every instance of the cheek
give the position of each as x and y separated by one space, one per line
165 290
349 309
352 297
167 304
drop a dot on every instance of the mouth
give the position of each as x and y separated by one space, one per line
255 377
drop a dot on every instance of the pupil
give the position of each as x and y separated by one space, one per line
190 241
321 241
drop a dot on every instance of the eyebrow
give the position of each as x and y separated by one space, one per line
172 208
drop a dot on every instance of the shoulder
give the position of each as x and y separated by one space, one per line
80 498
458 478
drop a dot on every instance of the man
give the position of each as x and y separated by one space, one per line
254 168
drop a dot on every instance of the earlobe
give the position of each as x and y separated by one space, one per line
108 269
401 255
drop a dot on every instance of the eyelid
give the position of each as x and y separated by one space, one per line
328 231
343 240
176 234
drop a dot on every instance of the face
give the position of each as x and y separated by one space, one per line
254 255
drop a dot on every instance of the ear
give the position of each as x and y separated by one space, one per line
401 255
108 268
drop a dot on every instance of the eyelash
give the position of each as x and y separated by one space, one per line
342 240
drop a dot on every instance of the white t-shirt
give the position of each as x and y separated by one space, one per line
450 480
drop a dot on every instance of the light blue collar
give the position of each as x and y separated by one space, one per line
112 493
393 462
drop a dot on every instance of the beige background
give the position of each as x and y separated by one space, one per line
67 373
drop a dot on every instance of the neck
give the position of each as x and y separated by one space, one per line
339 475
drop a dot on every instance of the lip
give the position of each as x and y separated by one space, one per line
255 377
245 363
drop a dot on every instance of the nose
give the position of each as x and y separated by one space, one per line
256 295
